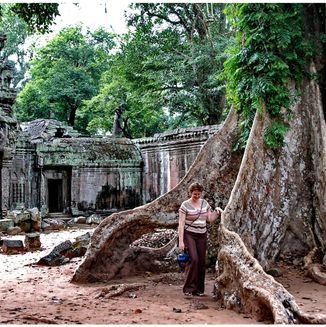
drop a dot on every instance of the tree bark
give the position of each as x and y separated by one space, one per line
276 208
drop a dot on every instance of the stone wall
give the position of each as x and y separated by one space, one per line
56 170
168 156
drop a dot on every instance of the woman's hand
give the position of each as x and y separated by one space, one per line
219 210
181 245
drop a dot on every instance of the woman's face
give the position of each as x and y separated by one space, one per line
195 195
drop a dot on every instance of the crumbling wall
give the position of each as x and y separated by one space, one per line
168 156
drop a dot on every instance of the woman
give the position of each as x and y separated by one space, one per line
193 215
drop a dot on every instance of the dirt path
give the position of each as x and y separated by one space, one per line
32 294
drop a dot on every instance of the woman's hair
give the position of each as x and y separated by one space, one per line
196 187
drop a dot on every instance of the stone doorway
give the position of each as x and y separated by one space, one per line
56 189
55 192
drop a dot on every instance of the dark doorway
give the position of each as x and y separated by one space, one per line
55 195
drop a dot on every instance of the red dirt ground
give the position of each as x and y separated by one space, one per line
31 294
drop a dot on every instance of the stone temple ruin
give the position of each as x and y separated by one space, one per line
50 170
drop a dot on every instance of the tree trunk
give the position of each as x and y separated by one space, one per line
110 255
276 209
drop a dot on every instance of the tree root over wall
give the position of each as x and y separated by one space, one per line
110 253
257 222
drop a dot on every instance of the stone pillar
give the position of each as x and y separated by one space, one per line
75 190
43 188
5 183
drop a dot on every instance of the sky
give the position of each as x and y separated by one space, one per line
92 13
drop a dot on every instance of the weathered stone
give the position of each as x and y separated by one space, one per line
26 226
44 211
53 224
14 230
94 219
168 156
32 241
35 214
5 224
76 212
58 255
71 222
76 252
12 246
52 261
36 225
82 240
18 216
80 220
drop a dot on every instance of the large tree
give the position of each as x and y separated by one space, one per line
165 73
64 73
276 201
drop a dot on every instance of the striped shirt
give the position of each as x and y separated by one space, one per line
195 218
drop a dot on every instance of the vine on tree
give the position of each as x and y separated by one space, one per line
270 49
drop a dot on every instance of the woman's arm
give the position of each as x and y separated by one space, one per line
181 228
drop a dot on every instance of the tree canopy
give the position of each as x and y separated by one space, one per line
164 74
64 73
38 16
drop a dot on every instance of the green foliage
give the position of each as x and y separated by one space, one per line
164 72
274 135
125 85
64 73
270 50
38 16
185 46
16 31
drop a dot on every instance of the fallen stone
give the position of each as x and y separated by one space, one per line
74 253
53 261
12 246
34 214
71 222
19 216
14 230
94 219
37 225
5 224
53 224
79 246
80 220
26 226
57 256
176 310
82 240
32 241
